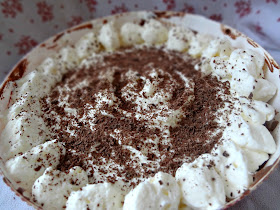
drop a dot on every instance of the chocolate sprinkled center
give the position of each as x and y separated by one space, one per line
95 112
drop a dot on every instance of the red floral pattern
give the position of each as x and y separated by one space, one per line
259 29
243 8
91 5
49 13
170 4
119 9
216 17
272 1
188 8
75 20
10 8
25 44
45 11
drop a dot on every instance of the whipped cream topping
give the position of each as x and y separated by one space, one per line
141 116
200 174
158 192
54 187
31 165
94 196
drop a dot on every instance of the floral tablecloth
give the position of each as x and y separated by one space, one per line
24 24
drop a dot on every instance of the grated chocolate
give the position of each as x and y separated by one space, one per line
88 140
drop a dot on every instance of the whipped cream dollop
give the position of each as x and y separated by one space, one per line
52 189
145 115
26 168
158 192
97 196
192 177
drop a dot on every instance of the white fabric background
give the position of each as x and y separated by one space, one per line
25 23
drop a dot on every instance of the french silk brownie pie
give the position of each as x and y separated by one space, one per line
140 110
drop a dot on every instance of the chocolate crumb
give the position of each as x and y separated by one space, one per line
225 154
37 168
250 95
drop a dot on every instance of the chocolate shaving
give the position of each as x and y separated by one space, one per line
251 95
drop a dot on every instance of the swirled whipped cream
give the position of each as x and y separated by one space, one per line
142 116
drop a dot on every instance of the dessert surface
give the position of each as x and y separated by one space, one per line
144 116
130 114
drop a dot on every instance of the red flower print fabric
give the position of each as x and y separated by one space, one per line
26 23
10 8
25 44
45 10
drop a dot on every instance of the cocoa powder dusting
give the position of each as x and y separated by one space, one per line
90 136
